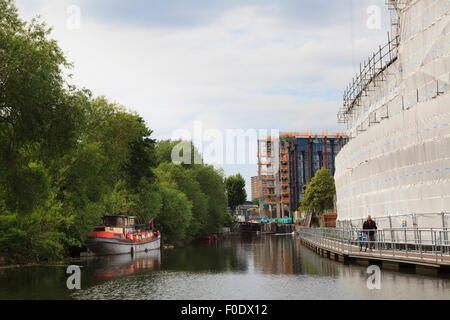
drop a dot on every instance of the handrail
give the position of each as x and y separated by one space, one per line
425 244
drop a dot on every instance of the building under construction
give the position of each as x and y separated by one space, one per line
255 188
287 163
396 166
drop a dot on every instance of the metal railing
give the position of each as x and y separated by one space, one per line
426 245
411 220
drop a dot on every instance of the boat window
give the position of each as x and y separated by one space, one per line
113 221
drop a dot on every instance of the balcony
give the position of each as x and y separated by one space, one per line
266 155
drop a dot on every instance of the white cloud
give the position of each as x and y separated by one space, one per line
218 73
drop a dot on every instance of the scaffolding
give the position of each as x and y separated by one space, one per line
266 174
395 6
311 134
278 167
370 72
396 110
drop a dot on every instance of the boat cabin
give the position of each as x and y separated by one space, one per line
118 224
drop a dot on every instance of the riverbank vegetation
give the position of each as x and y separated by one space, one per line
235 189
320 193
67 158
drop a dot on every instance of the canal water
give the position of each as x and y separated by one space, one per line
251 267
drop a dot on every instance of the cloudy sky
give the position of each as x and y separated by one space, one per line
227 64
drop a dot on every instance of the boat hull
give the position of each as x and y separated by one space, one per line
106 246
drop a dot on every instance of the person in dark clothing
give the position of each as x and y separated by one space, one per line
371 228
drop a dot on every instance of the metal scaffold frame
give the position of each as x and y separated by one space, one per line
398 123
266 172
369 74
372 70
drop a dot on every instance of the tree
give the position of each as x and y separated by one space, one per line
165 148
38 111
141 158
175 216
68 158
320 192
235 189
212 185
185 181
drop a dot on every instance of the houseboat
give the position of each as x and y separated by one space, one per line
121 235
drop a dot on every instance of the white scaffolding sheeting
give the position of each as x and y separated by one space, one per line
398 161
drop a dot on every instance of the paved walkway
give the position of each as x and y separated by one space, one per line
435 259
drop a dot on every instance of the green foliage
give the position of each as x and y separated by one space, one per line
67 159
167 148
175 215
320 192
204 188
26 188
40 236
140 160
236 193
185 181
228 220
212 185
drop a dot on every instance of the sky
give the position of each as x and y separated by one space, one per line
218 64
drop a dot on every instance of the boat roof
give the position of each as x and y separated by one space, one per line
119 216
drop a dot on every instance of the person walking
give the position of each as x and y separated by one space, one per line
371 228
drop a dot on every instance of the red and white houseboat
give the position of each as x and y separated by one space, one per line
120 235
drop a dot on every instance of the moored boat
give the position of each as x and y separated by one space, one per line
120 235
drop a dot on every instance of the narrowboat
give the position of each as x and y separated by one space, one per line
120 235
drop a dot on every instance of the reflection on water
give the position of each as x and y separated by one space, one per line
246 267
206 256
116 266
33 283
